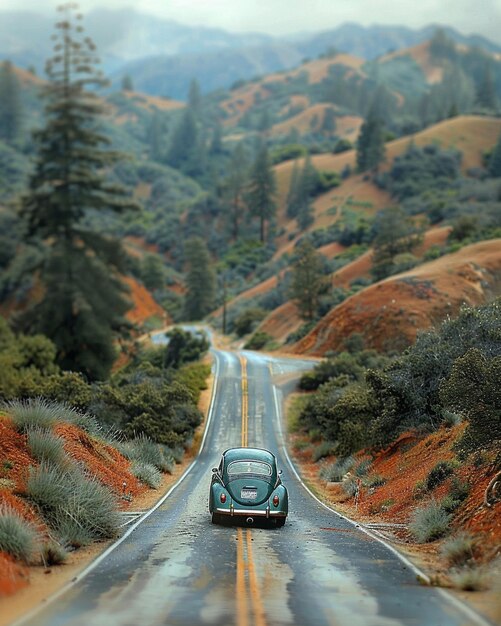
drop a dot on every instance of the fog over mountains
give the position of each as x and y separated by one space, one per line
163 56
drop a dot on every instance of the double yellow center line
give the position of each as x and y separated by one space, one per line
249 602
250 608
245 403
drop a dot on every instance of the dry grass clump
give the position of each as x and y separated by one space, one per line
17 536
429 522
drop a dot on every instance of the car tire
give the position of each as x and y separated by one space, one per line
217 519
280 521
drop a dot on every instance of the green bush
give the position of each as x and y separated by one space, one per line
147 474
337 470
473 390
33 413
429 523
258 341
17 537
78 508
46 447
374 480
326 448
438 473
247 321
144 450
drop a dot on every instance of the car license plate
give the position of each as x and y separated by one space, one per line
248 494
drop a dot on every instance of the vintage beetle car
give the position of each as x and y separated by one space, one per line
247 486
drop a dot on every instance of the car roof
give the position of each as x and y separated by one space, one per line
257 454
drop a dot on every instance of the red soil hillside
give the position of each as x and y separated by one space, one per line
98 458
389 313
361 267
144 306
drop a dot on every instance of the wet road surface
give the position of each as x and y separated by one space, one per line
319 569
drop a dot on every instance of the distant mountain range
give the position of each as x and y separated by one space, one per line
163 56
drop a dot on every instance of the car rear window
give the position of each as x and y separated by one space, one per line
249 467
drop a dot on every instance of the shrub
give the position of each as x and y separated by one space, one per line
350 486
147 474
375 480
429 523
326 448
78 508
144 450
438 473
17 536
363 467
247 321
458 550
44 446
258 341
53 553
33 413
337 470
469 579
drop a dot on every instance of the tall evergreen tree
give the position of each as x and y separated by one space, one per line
293 196
486 90
10 104
262 188
200 280
184 141
395 233
370 143
84 301
195 97
495 160
308 280
234 189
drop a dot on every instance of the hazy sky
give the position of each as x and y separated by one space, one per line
290 16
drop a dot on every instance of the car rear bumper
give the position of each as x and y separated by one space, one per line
232 512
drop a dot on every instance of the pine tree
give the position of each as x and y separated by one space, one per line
10 104
184 141
195 97
486 90
395 233
293 196
84 301
370 144
262 188
127 84
200 280
308 280
329 121
234 187
495 160
154 136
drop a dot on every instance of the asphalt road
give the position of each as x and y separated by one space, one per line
319 569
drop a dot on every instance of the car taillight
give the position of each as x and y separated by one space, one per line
276 501
222 497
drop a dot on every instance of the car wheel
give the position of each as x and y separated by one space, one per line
280 521
217 519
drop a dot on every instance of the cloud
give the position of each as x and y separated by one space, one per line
290 16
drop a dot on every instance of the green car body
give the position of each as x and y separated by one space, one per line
247 486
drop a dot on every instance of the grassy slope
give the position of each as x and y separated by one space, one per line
470 134
389 314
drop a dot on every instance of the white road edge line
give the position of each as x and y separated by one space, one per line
110 549
468 612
